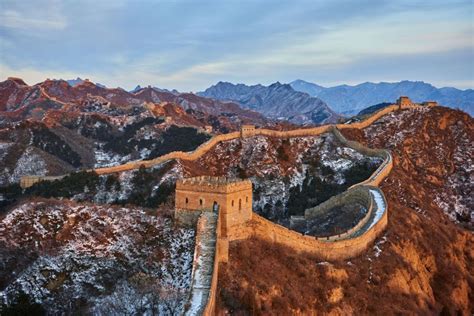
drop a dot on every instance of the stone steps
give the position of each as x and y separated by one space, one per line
203 266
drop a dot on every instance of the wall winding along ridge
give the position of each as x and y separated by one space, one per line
204 148
342 246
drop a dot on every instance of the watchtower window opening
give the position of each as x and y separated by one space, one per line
187 200
246 199
240 204
215 206
200 202
232 203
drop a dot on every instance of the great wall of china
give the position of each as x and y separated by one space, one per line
215 229
342 246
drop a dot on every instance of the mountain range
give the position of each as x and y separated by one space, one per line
19 101
347 99
277 101
55 127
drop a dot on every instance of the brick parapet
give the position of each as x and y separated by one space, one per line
213 184
326 249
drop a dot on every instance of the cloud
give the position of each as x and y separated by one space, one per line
33 17
188 45
17 20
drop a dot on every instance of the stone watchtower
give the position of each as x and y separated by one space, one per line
231 197
404 102
247 131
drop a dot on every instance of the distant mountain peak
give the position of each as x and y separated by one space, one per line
137 88
86 82
79 81
75 82
279 101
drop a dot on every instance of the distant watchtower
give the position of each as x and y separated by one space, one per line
247 131
231 197
404 102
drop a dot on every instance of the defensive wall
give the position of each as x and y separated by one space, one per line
250 131
195 195
358 195
326 249
207 256
348 244
28 181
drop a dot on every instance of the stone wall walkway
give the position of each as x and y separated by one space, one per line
203 264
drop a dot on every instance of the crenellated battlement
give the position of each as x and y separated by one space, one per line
213 184
247 131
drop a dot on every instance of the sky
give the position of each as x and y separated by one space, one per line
191 44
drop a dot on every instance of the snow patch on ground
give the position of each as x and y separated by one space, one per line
108 159
29 163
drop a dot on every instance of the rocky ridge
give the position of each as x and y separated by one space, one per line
278 101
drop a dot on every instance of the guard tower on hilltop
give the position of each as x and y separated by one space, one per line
247 131
231 197
404 102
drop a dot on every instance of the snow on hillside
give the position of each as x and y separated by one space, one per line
107 159
4 149
29 163
396 121
330 155
101 259
438 145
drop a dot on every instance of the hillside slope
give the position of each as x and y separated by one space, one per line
424 263
78 258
